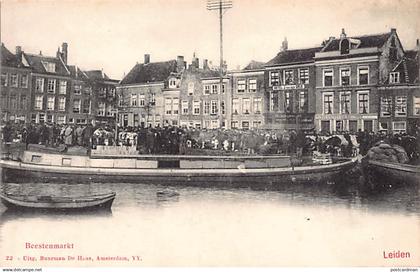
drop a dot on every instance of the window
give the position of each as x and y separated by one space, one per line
383 126
363 75
214 107
41 117
325 125
133 101
252 85
257 105
88 91
345 76
214 124
288 102
328 77
304 76
344 46
363 100
234 124
24 81
76 105
289 78
328 103
142 100
101 108
86 106
63 87
51 86
152 98
3 79
274 78
272 100
222 107
245 125
399 127
39 85
61 103
13 102
61 119
241 86
172 83
206 89
168 106
14 80
196 107
109 111
303 101
394 77
235 106
175 105
206 107
339 125
353 125
256 124
38 102
246 106
416 107
345 102
400 106
23 102
386 106
49 66
214 89
50 102
190 88
223 88
77 89
184 106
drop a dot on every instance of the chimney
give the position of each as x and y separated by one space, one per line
197 63
284 44
19 54
343 34
146 58
205 64
64 52
40 52
393 30
180 63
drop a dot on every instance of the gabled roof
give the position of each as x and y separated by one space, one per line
294 56
375 40
253 65
77 73
408 69
8 58
35 62
150 72
97 74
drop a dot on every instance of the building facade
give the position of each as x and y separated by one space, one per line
290 89
247 99
15 86
349 71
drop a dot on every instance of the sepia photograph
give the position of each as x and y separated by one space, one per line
209 134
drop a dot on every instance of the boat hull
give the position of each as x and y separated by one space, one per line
381 174
25 172
58 203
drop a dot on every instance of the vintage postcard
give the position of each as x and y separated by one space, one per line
210 133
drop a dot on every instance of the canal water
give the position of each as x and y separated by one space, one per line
289 226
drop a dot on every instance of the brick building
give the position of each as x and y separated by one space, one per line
290 89
248 102
141 98
104 100
51 85
15 87
400 95
349 71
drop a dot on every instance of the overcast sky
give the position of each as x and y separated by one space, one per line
114 35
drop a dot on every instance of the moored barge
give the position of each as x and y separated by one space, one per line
185 169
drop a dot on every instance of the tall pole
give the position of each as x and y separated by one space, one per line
220 5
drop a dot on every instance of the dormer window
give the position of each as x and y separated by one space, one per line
394 77
344 46
49 66
172 83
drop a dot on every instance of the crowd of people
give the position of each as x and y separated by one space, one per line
176 140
